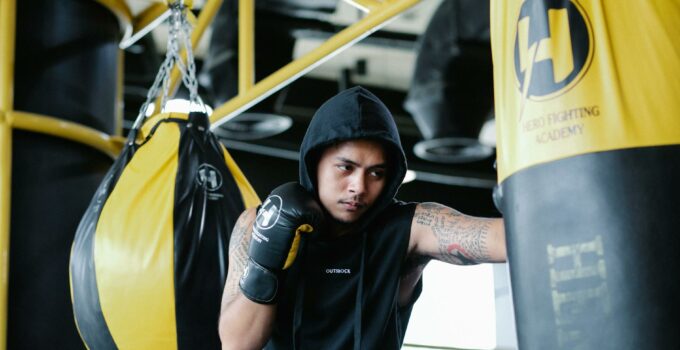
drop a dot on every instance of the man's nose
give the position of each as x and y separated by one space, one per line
357 183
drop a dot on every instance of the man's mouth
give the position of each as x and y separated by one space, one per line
352 205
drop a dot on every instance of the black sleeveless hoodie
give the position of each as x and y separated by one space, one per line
341 293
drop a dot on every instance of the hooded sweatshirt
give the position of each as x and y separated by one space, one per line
342 292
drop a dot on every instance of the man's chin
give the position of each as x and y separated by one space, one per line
346 220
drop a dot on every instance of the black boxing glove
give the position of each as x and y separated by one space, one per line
288 212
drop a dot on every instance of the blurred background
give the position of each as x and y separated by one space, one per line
431 66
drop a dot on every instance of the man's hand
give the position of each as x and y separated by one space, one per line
268 241
288 212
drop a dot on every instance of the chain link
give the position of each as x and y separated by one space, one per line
179 32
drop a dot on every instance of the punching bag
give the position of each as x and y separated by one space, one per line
150 256
587 100
451 93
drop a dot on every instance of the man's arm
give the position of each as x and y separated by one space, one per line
243 324
445 234
258 259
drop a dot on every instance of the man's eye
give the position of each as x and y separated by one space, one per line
378 174
343 167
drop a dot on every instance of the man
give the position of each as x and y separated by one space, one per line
336 263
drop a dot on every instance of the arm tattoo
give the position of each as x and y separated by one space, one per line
238 256
461 239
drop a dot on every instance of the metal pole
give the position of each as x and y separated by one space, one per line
7 41
277 80
110 145
246 45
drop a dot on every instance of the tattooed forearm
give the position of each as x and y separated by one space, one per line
461 239
238 255
238 233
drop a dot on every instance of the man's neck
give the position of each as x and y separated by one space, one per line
338 229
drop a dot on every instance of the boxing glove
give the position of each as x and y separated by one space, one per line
288 212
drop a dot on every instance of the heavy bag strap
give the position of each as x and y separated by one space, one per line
179 35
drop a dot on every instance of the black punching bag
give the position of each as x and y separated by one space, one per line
451 94
587 105
66 67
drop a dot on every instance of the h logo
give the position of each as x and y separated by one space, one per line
553 47
209 176
269 213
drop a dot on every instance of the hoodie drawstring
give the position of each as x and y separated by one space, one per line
359 302
299 300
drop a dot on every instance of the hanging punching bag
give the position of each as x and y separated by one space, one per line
150 256
451 94
588 101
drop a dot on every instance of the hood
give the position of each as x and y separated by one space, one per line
354 113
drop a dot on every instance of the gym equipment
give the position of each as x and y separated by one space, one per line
452 91
589 159
150 255
288 213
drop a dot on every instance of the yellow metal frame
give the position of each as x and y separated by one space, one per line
379 13
365 5
146 21
246 45
7 42
110 145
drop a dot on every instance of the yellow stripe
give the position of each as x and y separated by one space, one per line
292 253
250 198
248 194
134 248
625 96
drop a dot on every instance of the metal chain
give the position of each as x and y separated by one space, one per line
189 79
179 32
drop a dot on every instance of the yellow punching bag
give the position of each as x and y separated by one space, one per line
587 96
150 256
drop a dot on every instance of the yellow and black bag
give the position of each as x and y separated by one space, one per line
587 96
150 256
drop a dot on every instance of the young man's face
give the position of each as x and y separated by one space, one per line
350 177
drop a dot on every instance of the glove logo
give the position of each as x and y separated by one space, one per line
553 47
269 213
209 177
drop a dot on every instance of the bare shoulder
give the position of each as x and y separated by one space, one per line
446 234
